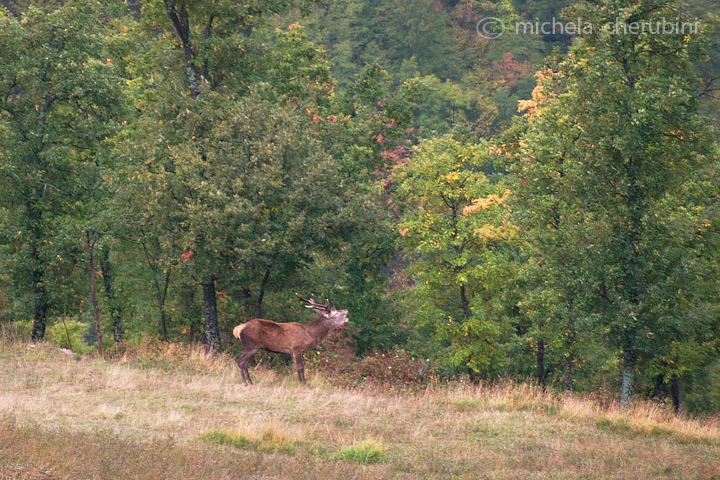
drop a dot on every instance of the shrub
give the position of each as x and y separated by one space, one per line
396 368
69 334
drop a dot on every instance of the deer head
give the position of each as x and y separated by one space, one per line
334 317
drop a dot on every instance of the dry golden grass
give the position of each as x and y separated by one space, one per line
170 412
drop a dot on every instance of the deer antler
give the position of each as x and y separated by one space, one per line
314 305
300 298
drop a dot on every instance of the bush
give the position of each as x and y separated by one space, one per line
396 368
69 334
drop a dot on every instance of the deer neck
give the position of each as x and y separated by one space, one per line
318 329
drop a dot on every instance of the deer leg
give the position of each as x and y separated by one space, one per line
242 363
299 366
239 362
245 375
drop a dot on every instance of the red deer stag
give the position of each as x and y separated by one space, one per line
292 338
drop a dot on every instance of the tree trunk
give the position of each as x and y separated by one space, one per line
568 377
212 331
93 289
163 324
628 378
261 293
187 292
41 308
135 6
247 303
67 333
110 294
181 25
677 395
39 295
464 302
540 357
161 291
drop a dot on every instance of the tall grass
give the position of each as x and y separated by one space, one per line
169 411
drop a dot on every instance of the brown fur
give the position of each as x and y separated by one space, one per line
238 329
291 338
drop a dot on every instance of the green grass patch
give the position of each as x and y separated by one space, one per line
366 451
623 427
268 441
470 405
615 425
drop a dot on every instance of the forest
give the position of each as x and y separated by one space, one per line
512 205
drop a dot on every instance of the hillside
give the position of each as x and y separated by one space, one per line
172 413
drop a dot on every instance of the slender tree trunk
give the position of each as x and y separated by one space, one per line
67 333
568 377
41 305
631 264
569 362
250 307
161 297
181 25
261 294
163 323
93 289
110 294
37 273
39 297
41 308
540 357
135 6
212 331
677 395
161 291
464 303
628 378
189 308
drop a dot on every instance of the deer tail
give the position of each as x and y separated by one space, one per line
238 329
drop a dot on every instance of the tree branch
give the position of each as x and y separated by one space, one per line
181 25
710 86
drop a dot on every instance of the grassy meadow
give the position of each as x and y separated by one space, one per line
172 413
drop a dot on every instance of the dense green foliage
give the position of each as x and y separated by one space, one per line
457 241
225 155
620 197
